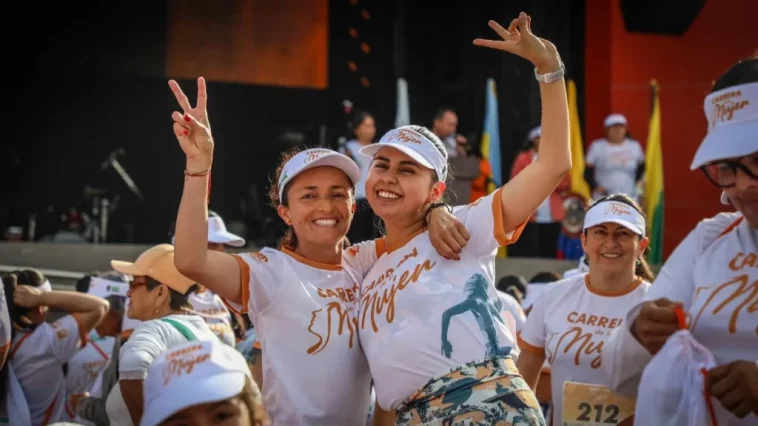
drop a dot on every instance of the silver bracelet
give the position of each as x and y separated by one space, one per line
551 77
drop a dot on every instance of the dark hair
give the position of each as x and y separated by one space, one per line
642 268
82 284
358 118
545 277
742 72
509 283
177 300
117 304
435 140
30 277
440 113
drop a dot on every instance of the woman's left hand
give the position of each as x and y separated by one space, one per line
519 40
447 233
735 385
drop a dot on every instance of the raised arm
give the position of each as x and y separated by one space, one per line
527 190
217 271
89 310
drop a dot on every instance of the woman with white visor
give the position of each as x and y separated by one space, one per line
572 318
713 273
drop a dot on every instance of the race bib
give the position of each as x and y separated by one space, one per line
594 405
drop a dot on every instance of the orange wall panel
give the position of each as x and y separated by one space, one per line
281 43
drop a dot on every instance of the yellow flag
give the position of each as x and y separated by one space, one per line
578 184
654 180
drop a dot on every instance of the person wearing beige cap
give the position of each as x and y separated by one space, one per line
158 296
202 383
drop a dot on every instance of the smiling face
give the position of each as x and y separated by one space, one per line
398 188
612 248
319 206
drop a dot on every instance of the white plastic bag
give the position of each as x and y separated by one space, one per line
672 388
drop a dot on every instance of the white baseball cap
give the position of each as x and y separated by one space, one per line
102 287
732 115
217 233
414 144
316 157
614 119
535 133
615 212
194 373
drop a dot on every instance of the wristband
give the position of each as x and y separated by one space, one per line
434 206
550 77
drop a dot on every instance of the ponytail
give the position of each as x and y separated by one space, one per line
642 268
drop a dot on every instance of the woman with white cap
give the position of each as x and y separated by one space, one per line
540 236
432 329
202 383
39 349
159 298
616 163
302 297
571 320
712 274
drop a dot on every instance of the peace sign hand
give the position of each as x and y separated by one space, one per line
192 129
519 40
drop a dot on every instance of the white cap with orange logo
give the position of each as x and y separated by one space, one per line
615 212
316 157
732 115
194 373
411 142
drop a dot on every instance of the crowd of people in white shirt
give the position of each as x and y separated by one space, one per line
408 328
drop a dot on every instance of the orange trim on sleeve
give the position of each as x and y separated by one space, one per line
731 227
379 247
244 285
501 235
623 292
83 334
530 348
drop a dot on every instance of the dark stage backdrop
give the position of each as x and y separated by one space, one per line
83 81
430 44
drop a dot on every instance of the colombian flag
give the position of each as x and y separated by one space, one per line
578 184
654 181
491 142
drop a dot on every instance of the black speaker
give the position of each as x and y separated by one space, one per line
667 17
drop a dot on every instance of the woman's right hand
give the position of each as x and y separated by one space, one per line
192 128
656 322
27 296
519 40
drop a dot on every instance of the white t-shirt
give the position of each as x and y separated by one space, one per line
304 312
510 304
87 365
616 165
38 359
210 306
147 342
352 149
412 293
713 273
568 324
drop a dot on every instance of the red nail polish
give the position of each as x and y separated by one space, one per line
186 132
186 117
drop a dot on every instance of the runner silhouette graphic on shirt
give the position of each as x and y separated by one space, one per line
485 312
